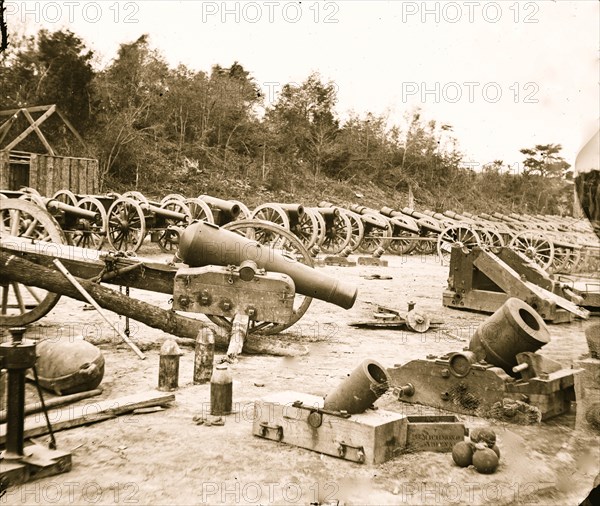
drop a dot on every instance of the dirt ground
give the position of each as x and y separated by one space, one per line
164 458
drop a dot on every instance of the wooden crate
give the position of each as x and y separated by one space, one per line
372 437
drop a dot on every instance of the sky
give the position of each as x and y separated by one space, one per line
506 75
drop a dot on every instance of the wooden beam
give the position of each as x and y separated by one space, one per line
5 127
36 407
71 127
31 128
37 108
38 132
30 274
90 412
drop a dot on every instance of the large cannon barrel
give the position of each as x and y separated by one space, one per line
412 212
360 389
435 215
165 213
514 328
56 205
203 244
455 215
326 210
229 208
389 212
362 209
325 203
295 210
370 216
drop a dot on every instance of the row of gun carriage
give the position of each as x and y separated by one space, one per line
557 244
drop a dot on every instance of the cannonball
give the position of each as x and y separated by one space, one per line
485 461
462 454
483 435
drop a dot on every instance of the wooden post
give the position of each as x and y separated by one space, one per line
239 331
205 356
168 367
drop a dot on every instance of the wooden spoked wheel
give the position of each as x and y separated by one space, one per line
306 228
272 213
338 233
168 239
172 196
136 197
404 230
491 239
358 230
66 197
321 226
376 236
402 243
566 259
456 236
35 198
21 304
90 234
285 243
126 225
534 246
200 210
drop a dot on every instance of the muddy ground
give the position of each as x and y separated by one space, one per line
164 458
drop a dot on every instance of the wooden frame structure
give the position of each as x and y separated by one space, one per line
45 172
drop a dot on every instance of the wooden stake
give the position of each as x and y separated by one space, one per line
89 298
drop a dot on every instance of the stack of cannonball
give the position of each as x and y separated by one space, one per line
480 451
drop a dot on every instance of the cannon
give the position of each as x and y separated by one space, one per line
228 277
357 232
303 223
335 229
83 220
405 231
225 211
500 367
131 217
378 230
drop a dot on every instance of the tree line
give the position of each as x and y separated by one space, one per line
153 126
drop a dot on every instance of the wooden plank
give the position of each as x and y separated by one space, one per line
33 175
93 177
36 407
4 170
40 170
75 171
49 176
66 173
37 108
558 300
6 127
90 412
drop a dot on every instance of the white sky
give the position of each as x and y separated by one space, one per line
541 56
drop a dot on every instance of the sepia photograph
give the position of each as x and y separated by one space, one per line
325 253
